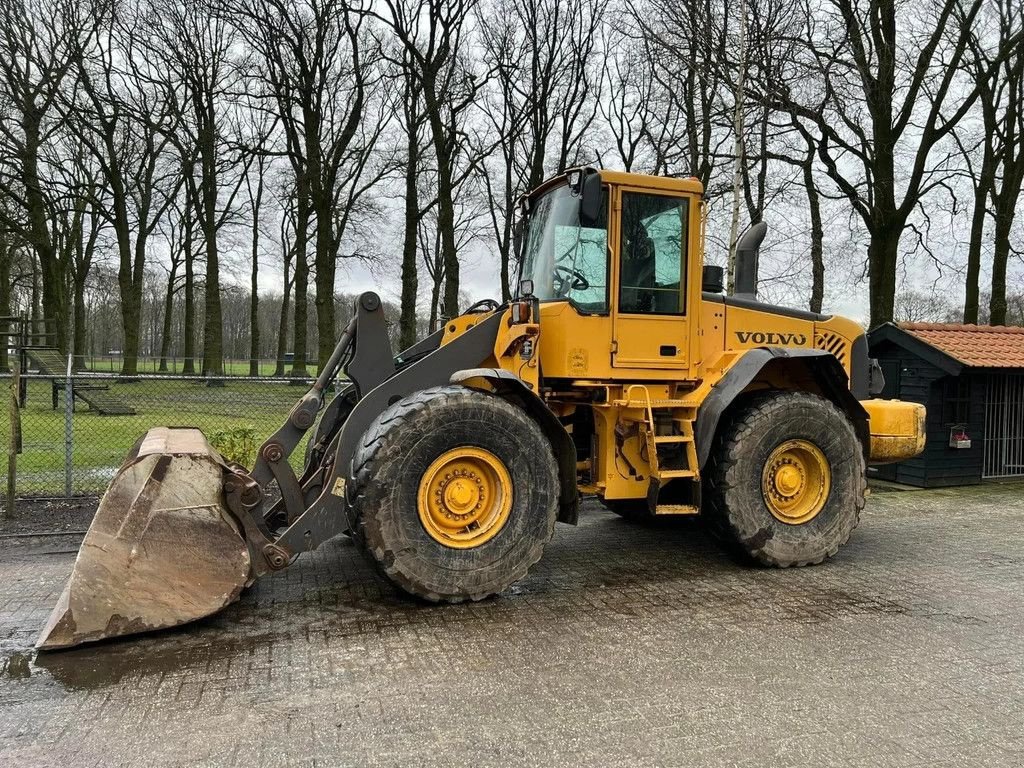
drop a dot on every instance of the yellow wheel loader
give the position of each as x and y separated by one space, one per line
620 371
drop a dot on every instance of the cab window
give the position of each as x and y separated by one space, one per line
652 253
564 258
581 263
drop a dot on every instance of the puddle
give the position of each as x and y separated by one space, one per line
17 666
94 667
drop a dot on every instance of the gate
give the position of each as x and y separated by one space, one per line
1004 426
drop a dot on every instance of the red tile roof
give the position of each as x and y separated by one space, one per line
977 346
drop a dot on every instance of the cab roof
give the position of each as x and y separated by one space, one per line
688 184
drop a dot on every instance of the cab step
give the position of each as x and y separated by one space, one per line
673 439
676 509
668 474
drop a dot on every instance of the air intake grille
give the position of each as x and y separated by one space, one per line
832 342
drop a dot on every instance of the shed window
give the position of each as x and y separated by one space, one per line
956 400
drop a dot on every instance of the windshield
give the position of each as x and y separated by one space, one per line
564 259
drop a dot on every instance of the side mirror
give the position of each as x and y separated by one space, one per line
713 279
590 202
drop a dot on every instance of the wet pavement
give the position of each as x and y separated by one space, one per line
627 645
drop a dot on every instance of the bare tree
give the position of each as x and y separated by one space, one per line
38 41
172 228
127 124
194 47
77 221
1002 106
544 101
315 63
879 85
412 120
685 46
435 36
289 241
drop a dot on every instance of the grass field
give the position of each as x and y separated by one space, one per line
100 443
112 364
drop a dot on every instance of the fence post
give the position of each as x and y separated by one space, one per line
69 407
14 446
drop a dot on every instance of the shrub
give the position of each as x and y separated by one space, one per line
237 444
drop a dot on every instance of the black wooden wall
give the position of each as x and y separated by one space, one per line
911 378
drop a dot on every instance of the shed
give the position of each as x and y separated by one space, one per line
971 379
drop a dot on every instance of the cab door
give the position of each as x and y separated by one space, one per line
650 319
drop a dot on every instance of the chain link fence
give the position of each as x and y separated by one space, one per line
76 431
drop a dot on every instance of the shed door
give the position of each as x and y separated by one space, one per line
891 374
1004 426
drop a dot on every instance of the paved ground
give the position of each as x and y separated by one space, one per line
626 646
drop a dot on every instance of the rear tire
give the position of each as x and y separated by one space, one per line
786 481
395 469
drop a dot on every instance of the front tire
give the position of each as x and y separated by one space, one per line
787 479
454 494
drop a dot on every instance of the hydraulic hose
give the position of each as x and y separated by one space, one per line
333 366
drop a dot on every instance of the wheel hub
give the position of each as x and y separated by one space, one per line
465 497
462 494
795 482
788 479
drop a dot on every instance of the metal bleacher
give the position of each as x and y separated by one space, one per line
51 363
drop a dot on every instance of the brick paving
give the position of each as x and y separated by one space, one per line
627 645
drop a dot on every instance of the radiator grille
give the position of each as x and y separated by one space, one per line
833 343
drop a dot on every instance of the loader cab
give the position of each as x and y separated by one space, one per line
624 253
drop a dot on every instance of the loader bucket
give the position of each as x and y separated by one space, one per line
162 549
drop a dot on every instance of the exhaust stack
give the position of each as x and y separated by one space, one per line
747 248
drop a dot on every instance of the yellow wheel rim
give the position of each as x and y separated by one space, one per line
465 497
795 482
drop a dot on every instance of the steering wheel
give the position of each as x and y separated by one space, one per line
569 279
484 305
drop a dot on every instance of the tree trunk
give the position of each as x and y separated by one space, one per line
971 300
188 351
6 257
131 326
326 268
449 252
254 283
282 325
213 330
817 235
78 337
53 271
410 278
55 304
84 249
883 253
129 285
299 330
506 244
165 338
738 151
435 293
1000 255
445 199
35 304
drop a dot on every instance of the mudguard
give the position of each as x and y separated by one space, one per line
511 387
324 518
820 366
